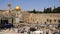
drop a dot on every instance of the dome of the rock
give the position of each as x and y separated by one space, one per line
17 8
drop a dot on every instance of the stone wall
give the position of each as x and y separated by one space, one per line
42 18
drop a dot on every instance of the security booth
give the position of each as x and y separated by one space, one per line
6 22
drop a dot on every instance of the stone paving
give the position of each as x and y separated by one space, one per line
26 28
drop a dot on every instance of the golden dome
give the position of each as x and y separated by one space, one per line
17 8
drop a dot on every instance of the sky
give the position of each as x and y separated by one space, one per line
30 4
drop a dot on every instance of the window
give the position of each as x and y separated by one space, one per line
54 20
50 21
59 21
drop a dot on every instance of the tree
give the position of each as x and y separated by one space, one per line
56 10
48 10
34 11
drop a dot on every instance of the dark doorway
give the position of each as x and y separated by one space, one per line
3 22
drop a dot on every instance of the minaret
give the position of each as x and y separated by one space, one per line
9 7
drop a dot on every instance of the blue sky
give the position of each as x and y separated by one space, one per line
30 4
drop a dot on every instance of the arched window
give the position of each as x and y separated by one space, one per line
54 20
50 20
59 21
59 24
